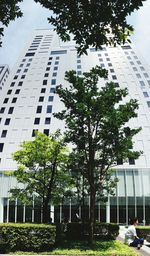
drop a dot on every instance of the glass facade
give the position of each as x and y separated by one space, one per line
132 198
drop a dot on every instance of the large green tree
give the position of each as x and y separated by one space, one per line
97 125
42 168
9 10
92 22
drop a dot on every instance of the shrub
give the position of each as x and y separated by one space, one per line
79 231
143 231
28 237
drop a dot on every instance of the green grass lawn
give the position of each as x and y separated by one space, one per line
101 248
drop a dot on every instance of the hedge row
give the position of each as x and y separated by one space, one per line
79 231
26 237
143 231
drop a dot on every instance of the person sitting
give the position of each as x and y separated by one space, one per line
131 237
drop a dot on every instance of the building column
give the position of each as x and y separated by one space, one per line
108 210
1 210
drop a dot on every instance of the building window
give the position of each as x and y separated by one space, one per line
49 109
145 94
30 54
138 75
15 77
17 91
112 70
11 109
34 132
1 147
52 90
78 66
23 76
47 120
47 69
46 74
53 81
142 83
18 71
9 92
39 109
43 90
55 68
110 64
12 84
57 58
4 133
49 63
58 52
46 132
102 65
116 84
100 59
20 83
5 100
148 103
142 68
131 62
119 161
25 70
21 65
134 68
56 62
114 77
50 98
37 120
138 62
28 64
78 61
14 100
131 160
7 121
44 82
146 75
41 99
79 73
148 82
2 110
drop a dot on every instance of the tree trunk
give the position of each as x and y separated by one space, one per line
46 214
92 215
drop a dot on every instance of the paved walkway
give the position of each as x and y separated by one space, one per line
145 250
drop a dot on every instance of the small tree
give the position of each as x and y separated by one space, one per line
43 170
96 125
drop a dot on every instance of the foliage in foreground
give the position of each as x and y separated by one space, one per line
101 248
100 22
27 237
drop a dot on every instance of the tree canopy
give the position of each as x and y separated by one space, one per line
43 171
91 22
97 125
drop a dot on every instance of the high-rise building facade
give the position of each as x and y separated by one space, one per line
4 72
28 102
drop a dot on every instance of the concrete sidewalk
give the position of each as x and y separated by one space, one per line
145 250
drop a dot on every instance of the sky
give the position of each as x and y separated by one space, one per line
18 32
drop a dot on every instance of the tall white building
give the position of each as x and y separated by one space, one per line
28 101
4 72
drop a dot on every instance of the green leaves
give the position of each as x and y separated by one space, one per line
42 169
9 10
92 23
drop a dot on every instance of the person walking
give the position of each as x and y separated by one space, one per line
131 237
